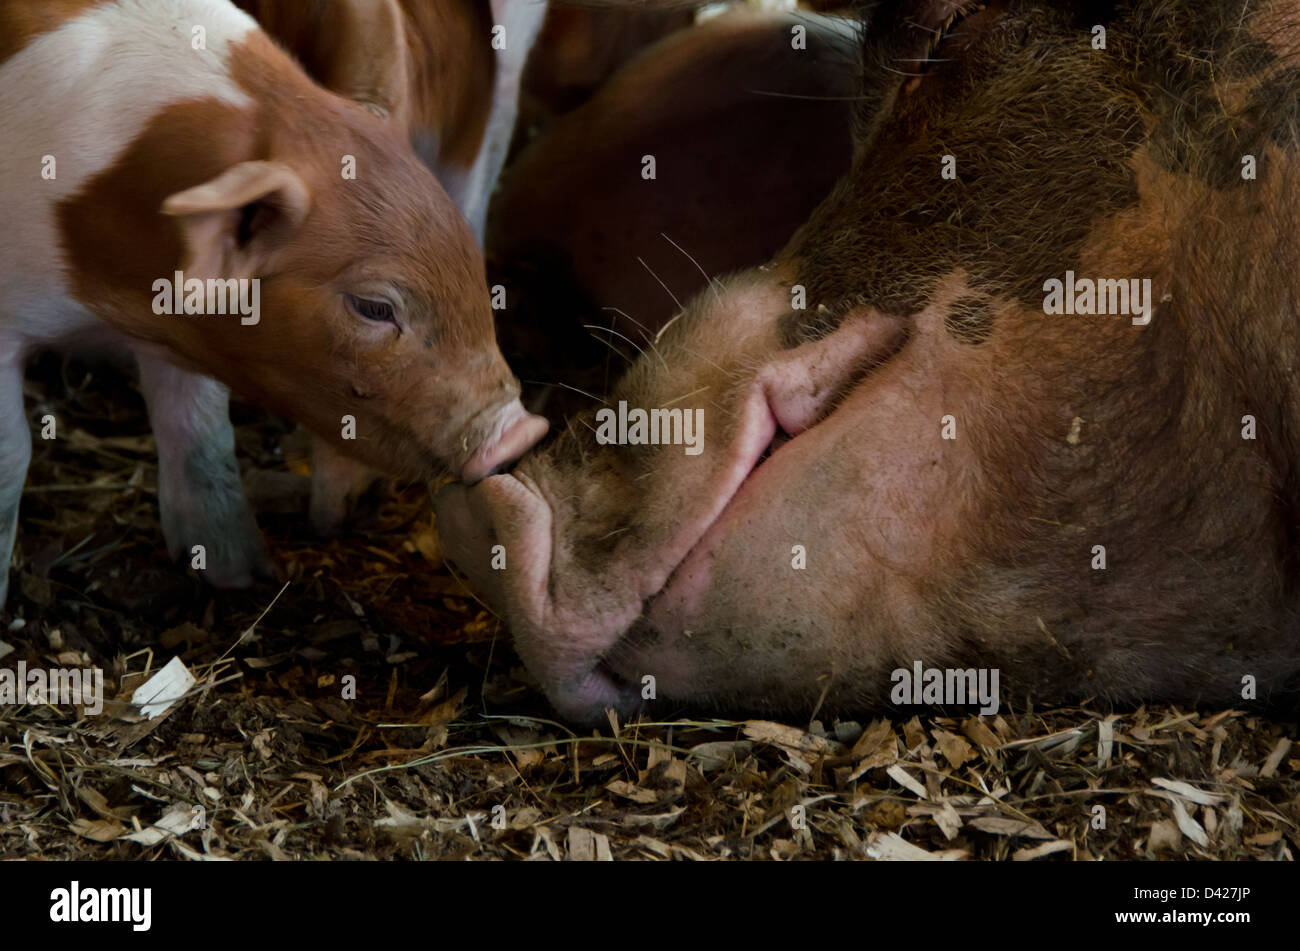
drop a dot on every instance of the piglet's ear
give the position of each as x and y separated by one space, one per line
233 225
362 55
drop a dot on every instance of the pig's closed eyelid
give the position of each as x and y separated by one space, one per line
375 287
376 309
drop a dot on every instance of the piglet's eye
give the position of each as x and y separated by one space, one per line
378 311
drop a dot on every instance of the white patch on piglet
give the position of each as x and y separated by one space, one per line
71 103
470 189
83 93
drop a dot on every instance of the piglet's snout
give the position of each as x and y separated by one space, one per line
506 434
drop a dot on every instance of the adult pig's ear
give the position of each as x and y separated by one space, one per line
233 224
362 55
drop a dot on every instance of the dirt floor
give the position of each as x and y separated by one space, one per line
448 751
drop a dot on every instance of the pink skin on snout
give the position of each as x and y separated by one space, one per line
513 432
566 628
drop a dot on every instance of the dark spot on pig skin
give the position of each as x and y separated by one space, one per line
1197 137
799 327
969 319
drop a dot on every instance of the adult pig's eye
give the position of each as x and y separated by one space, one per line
379 311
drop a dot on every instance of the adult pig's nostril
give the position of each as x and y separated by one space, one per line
517 432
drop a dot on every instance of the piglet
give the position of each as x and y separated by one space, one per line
175 186
446 73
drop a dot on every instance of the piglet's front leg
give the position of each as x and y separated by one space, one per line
15 454
337 485
201 499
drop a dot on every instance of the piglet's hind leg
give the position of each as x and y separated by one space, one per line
15 454
201 499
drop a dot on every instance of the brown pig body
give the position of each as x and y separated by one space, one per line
1019 397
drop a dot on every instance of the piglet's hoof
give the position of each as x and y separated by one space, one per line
229 555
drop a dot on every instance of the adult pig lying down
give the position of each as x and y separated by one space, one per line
1093 504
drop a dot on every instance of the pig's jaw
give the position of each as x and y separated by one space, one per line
571 620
